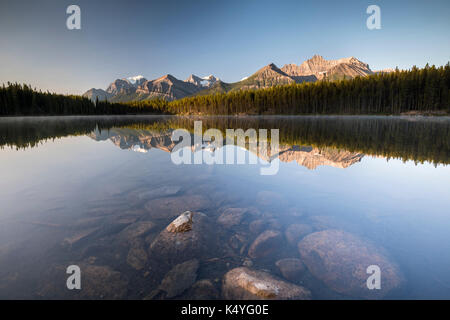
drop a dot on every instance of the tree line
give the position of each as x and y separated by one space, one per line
21 100
415 90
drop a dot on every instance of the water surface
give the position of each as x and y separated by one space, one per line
72 187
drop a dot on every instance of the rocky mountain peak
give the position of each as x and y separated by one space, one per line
136 80
320 68
211 78
316 58
267 76
271 67
204 82
120 86
194 79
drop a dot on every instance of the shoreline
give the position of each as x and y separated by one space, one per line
412 114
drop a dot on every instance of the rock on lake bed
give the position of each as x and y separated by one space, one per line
341 259
247 284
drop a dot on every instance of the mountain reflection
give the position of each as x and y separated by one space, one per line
310 141
307 156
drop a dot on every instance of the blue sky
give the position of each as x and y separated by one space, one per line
230 39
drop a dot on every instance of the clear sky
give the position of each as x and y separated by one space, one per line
230 39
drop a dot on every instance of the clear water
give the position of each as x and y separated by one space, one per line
384 179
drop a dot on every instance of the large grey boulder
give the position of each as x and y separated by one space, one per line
341 259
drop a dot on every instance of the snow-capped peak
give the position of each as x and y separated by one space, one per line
138 148
134 79
210 78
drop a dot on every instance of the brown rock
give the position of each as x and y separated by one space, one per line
78 237
137 255
247 284
291 268
231 217
341 259
181 224
260 225
266 243
180 278
101 282
173 248
295 232
137 229
257 226
203 290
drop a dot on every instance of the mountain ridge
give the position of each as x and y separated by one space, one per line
170 88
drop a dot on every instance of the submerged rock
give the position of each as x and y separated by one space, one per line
79 237
237 241
160 192
137 229
180 278
137 255
295 232
170 207
265 244
257 226
101 282
260 225
340 260
232 217
172 248
291 268
97 282
85 223
181 224
247 284
203 290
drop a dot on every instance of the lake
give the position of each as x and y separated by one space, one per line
357 208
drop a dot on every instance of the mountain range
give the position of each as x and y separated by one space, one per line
170 88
